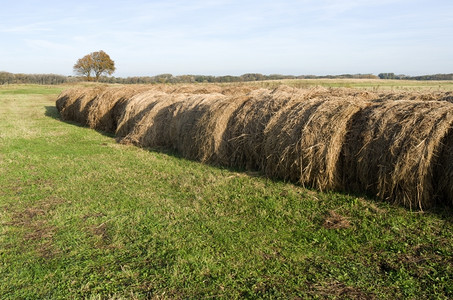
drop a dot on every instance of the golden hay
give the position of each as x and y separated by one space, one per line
245 129
396 146
74 104
103 113
194 89
391 150
417 96
134 110
303 141
198 126
443 172
137 124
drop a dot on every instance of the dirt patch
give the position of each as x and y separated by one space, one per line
337 289
336 221
34 222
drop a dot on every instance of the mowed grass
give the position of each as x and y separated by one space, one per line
84 217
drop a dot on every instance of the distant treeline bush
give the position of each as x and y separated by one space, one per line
422 77
10 78
169 78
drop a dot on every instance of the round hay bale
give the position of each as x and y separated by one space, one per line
146 119
195 89
131 112
198 126
74 104
391 150
303 141
102 114
245 130
443 174
238 90
426 95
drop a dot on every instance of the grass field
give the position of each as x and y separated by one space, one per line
84 217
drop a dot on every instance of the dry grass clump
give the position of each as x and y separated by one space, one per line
391 150
397 146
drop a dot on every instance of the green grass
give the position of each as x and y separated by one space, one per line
84 217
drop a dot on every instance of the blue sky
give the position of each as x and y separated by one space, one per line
229 37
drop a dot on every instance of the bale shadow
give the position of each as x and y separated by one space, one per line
444 212
52 112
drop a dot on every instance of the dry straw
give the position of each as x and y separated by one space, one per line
146 119
397 147
245 130
198 126
443 173
74 104
105 110
303 141
392 148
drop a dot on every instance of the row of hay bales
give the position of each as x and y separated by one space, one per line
397 148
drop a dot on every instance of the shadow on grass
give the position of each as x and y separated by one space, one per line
52 112
441 210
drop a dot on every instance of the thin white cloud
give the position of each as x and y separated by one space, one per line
38 44
27 28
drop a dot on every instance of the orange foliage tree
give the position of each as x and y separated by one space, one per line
96 63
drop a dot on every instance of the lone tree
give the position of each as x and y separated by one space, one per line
96 63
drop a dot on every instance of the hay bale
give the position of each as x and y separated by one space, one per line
192 124
391 150
427 95
245 129
198 126
398 150
238 90
443 173
142 103
303 141
159 123
74 104
195 89
103 113
137 124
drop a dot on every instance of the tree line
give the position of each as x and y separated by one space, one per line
47 79
51 79
169 78
422 77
